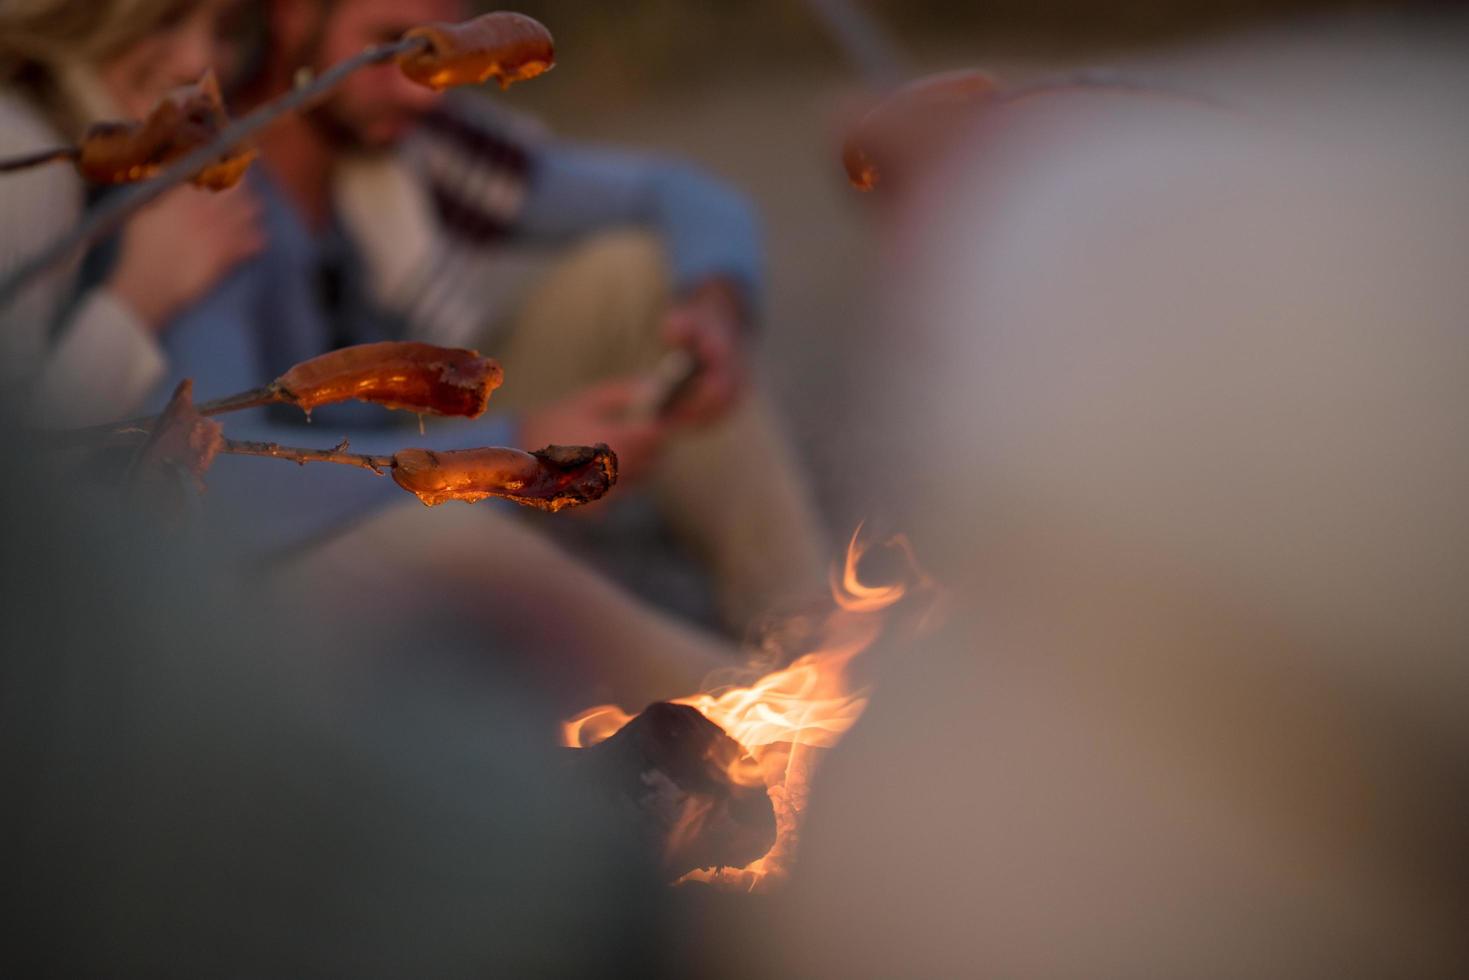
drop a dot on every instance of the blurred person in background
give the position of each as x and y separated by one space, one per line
1184 393
392 212
88 337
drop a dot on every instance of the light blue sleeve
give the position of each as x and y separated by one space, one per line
256 507
708 228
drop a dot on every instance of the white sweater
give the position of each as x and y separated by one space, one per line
91 360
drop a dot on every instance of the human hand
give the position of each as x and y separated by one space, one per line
606 412
708 323
176 250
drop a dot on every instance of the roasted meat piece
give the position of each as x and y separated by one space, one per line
507 47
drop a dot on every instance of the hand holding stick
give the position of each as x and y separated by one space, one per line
403 375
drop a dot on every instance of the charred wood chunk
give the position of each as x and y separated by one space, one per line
688 789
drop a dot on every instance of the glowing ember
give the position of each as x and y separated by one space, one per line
785 719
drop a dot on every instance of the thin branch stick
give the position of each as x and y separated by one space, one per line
111 432
256 397
378 464
38 159
111 214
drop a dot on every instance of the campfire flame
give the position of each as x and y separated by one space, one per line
787 718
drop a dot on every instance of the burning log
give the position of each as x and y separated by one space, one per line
507 47
771 732
184 121
689 789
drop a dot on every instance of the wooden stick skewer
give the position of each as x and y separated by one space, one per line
339 454
38 159
110 215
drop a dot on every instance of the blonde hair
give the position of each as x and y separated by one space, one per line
41 35
50 49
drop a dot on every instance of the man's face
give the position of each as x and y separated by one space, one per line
376 107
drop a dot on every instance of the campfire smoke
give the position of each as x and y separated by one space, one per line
785 720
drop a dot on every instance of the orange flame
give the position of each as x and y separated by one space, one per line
787 717
593 725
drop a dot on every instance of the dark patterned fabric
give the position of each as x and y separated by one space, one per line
477 169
